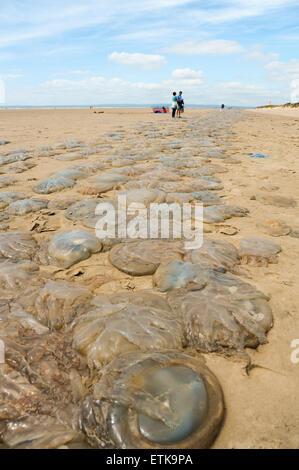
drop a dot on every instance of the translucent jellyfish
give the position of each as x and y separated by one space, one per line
208 198
71 143
274 227
3 216
15 320
53 185
71 247
59 302
143 196
258 251
89 167
70 173
26 206
176 275
7 197
46 360
128 171
15 276
90 151
216 253
120 162
41 432
45 152
143 257
224 314
19 167
14 151
4 142
103 183
81 209
179 198
69 157
161 175
275 200
156 400
14 157
44 148
6 181
206 170
141 184
136 158
17 245
189 186
178 163
18 397
94 188
212 154
140 298
216 214
179 274
113 177
62 203
118 325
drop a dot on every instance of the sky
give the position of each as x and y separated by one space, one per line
75 52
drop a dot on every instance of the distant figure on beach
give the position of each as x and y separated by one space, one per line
222 107
174 104
180 101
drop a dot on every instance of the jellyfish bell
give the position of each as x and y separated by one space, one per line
161 400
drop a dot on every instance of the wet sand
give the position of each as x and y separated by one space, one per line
262 406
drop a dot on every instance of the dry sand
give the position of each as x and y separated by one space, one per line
262 404
279 111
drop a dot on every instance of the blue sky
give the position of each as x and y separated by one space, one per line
70 52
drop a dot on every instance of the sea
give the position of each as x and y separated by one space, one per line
104 106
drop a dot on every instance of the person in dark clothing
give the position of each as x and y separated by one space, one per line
180 101
174 104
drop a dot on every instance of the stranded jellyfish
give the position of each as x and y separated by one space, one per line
159 400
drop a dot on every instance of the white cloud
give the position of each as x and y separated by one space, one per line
187 77
144 61
187 73
102 90
256 54
283 71
213 47
295 90
8 76
286 72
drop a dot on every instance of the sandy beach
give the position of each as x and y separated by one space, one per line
260 385
279 111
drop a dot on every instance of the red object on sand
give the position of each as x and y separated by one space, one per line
160 110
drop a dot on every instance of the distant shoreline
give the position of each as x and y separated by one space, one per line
127 106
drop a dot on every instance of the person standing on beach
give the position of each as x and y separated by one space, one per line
180 104
174 104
